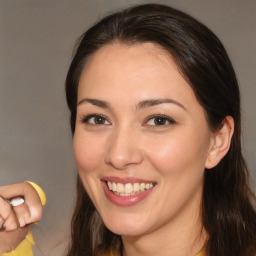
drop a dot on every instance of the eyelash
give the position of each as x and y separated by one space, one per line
162 118
86 119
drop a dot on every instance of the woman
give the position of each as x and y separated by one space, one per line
155 113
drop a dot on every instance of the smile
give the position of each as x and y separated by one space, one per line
127 192
128 189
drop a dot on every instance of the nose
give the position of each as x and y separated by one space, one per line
123 149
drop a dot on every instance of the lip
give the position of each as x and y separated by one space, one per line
125 200
126 180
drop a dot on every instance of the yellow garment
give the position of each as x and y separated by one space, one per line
200 253
39 191
25 248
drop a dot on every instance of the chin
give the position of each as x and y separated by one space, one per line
126 228
123 231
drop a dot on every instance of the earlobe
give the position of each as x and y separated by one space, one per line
220 143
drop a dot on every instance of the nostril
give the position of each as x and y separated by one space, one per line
122 159
122 149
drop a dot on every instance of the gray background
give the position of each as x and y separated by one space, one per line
36 42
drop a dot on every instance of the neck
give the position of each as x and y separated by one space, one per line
182 236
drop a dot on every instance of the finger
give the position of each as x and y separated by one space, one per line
14 190
1 223
11 223
9 220
5 208
23 214
13 217
30 195
33 202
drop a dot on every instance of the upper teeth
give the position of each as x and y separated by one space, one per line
128 188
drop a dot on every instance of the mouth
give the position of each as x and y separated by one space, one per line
127 192
129 189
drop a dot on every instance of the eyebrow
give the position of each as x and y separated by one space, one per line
154 102
95 102
140 105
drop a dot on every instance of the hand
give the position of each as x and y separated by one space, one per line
9 240
14 220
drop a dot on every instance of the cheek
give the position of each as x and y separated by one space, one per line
88 152
88 156
178 154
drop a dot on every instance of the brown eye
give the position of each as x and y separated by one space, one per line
159 120
99 120
95 120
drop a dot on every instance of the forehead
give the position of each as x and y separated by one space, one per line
145 50
113 59
132 72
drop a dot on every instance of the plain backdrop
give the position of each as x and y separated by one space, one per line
36 42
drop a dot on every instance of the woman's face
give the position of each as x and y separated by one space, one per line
141 139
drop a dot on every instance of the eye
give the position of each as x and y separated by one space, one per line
159 120
95 120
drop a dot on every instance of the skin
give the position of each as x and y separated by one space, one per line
130 144
16 220
9 240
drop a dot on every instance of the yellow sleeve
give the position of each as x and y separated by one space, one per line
25 248
39 191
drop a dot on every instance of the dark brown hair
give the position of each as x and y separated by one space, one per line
227 206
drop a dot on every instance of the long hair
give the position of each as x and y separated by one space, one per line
228 214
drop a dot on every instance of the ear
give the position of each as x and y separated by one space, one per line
220 143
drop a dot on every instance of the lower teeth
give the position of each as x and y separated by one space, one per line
126 194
